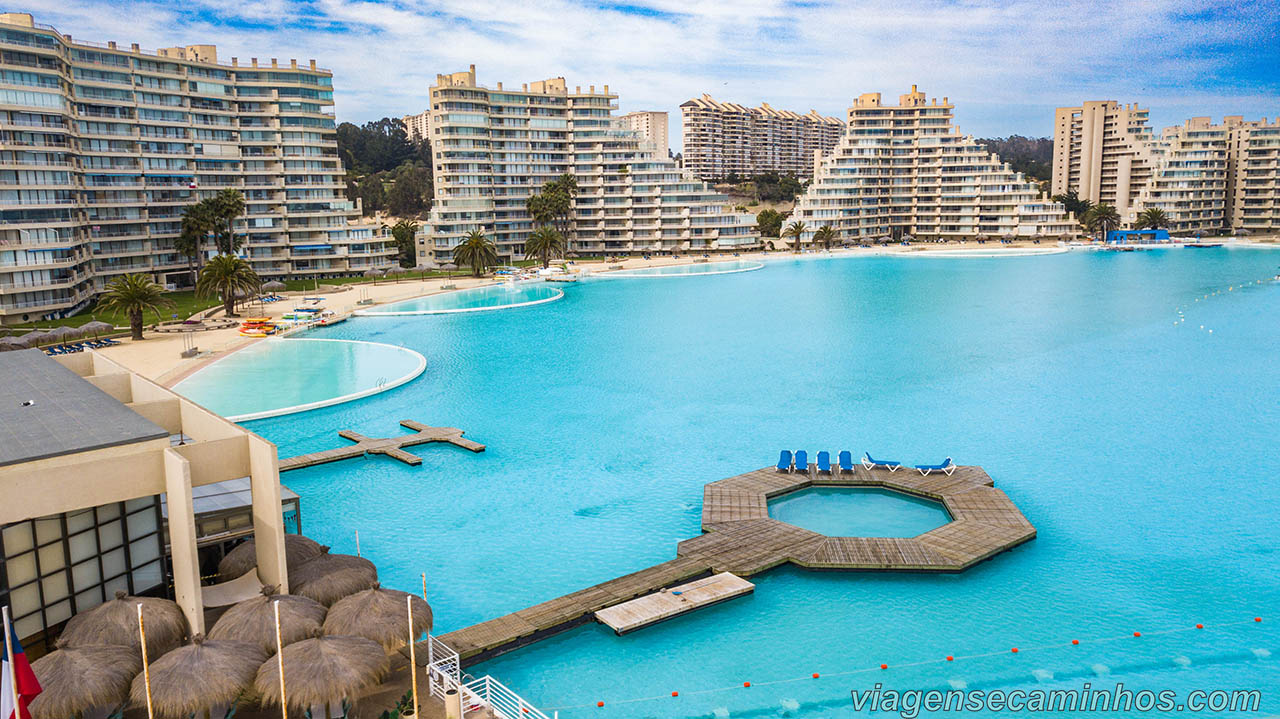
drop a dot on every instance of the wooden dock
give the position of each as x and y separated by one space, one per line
660 606
390 446
741 538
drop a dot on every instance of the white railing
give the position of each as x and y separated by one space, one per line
444 672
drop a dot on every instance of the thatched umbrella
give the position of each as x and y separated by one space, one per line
116 622
199 676
35 337
253 620
297 550
64 332
77 679
449 267
1010 236
331 577
324 670
424 267
1243 233
379 614
97 327
13 343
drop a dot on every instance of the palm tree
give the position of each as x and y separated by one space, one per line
1102 218
227 207
825 235
795 229
1152 217
545 243
198 221
133 295
476 251
224 277
404 232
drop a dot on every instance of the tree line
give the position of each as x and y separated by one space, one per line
386 171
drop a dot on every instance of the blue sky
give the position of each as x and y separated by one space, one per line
1005 65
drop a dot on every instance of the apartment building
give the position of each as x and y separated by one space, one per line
725 138
906 170
102 147
1205 177
652 126
416 126
495 148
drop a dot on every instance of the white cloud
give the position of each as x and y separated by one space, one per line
1006 65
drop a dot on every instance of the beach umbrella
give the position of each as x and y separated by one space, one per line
331 577
64 333
273 286
97 327
36 337
76 679
379 614
12 343
1009 236
373 272
253 620
449 267
297 550
199 676
1243 233
115 622
322 670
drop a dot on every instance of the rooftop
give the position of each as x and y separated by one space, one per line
46 410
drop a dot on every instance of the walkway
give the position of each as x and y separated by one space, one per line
390 446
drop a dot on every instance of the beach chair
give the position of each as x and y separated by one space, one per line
824 462
870 463
784 461
845 459
802 461
946 467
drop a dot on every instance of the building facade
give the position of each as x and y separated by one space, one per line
725 138
495 148
102 147
906 170
652 126
1204 176
417 127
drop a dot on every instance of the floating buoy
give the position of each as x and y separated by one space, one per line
1199 626
746 684
884 666
815 675
1075 641
599 704
1257 619
675 694
1014 650
950 658
1137 634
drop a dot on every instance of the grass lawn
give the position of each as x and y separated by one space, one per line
185 304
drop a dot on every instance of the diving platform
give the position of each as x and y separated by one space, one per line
740 539
668 603
390 446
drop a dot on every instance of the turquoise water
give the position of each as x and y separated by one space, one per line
491 297
702 268
1142 447
278 375
846 512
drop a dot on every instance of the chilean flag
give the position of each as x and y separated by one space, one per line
19 671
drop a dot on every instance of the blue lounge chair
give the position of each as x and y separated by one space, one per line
870 463
946 467
784 461
802 461
824 462
845 459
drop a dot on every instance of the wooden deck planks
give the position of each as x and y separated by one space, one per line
390 446
659 606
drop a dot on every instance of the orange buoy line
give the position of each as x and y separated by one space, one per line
925 662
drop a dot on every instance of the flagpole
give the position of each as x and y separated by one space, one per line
146 669
431 658
284 707
413 656
13 674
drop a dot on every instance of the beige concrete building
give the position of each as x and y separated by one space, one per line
652 126
102 146
493 148
101 472
1206 177
906 170
417 127
724 138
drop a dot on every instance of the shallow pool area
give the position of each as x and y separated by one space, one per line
1087 384
287 375
491 297
858 512
694 270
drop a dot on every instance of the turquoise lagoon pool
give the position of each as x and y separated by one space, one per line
703 268
286 375
1141 446
490 297
847 512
